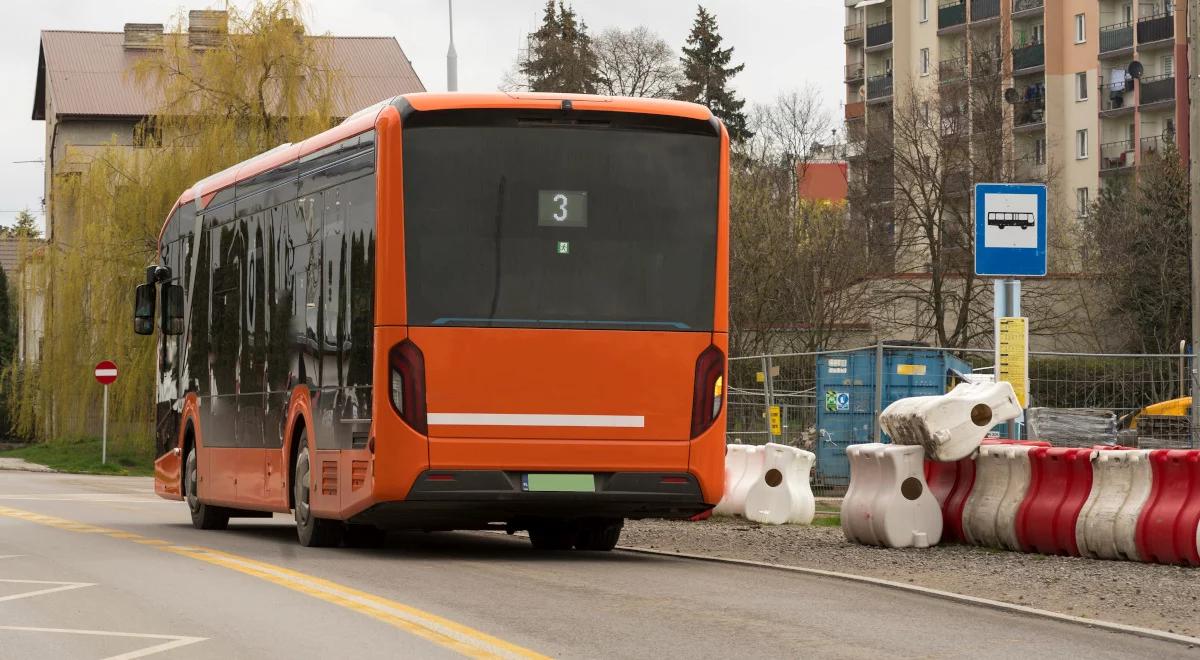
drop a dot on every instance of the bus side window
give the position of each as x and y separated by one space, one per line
359 196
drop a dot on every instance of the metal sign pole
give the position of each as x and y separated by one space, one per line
104 430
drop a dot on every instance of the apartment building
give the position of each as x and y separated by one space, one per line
1091 87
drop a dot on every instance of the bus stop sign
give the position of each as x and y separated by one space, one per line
1010 229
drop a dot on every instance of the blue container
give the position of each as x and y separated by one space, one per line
846 397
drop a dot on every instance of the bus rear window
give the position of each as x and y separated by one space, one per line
585 225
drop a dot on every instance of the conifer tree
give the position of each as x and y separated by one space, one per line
561 56
706 73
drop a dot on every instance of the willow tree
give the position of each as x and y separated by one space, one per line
260 83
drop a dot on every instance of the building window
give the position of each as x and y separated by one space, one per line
924 11
1080 28
1081 86
1168 65
1039 34
1081 144
1039 151
924 61
1082 202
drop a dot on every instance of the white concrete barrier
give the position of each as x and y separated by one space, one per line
783 494
950 427
735 467
888 502
735 495
1002 476
1107 524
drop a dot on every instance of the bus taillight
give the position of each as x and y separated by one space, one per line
408 384
708 390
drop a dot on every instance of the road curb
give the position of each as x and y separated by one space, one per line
1149 633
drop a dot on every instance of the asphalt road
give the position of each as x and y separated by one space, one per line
98 567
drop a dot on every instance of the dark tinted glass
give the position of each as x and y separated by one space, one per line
601 223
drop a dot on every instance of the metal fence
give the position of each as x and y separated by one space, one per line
1075 399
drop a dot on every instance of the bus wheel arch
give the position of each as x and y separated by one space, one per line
189 441
295 438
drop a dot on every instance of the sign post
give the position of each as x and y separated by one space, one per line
1010 243
106 374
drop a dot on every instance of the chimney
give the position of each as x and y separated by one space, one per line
143 36
207 27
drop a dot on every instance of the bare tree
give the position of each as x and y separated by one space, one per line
795 265
913 170
636 62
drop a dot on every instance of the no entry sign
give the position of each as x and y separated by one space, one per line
106 372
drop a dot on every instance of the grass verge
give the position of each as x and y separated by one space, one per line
83 457
825 520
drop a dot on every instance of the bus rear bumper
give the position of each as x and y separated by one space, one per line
478 499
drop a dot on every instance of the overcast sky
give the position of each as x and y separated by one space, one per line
785 44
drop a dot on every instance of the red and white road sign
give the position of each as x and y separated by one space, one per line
106 372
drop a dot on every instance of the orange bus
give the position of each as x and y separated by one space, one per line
451 311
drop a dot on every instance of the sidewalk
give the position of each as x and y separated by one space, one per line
7 463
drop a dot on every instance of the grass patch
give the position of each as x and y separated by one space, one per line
827 521
127 458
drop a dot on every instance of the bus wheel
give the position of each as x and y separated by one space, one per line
312 531
555 535
601 535
204 516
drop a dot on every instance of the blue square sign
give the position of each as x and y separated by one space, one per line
1010 229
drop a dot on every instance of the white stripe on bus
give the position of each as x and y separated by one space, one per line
501 419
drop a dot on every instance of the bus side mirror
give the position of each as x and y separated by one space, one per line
143 310
172 309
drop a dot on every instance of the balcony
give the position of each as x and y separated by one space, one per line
1116 38
1153 146
854 33
879 87
1029 169
1023 8
1155 28
1156 89
982 10
1116 156
952 14
855 111
1030 113
879 34
854 71
1029 57
1114 100
952 70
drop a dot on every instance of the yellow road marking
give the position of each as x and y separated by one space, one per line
449 634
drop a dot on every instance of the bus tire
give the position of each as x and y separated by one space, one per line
552 535
313 532
599 535
204 516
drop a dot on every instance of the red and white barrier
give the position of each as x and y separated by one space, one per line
1104 503
768 484
888 502
1002 476
783 494
950 427
1107 526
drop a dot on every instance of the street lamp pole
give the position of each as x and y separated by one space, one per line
451 55
1193 36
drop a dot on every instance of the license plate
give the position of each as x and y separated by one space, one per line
559 483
